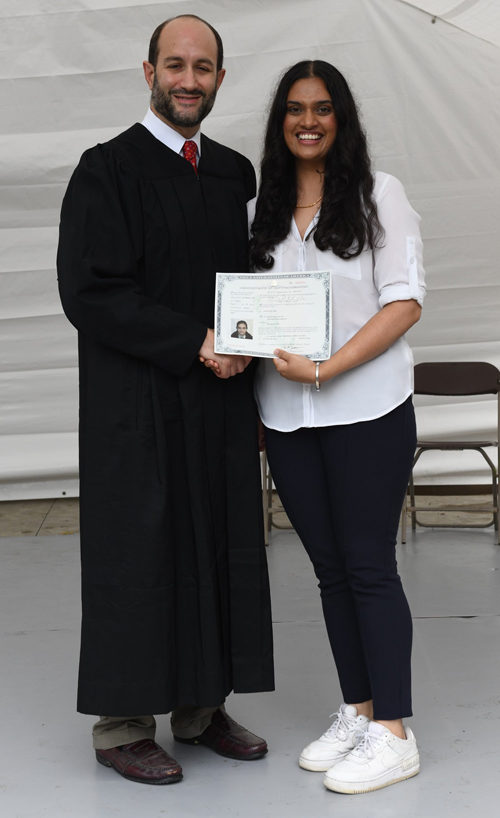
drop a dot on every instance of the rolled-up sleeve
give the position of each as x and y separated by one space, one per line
398 270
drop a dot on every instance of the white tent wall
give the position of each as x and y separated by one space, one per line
70 76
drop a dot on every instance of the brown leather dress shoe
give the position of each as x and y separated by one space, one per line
142 761
229 739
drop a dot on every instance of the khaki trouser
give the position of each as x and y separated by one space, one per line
186 722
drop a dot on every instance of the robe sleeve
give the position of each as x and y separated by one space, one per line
99 264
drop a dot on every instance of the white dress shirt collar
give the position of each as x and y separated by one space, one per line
171 138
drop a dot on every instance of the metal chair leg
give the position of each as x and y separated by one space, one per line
269 500
498 507
495 500
412 503
265 498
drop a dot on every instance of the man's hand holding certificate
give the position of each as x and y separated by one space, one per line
256 313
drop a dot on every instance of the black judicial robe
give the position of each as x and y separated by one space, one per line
175 590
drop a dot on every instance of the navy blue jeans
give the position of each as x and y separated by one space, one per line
343 488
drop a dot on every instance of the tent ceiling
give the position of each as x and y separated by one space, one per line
479 17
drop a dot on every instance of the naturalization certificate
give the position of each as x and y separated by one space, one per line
255 313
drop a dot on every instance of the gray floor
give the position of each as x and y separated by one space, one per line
47 766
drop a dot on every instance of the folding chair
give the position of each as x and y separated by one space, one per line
458 379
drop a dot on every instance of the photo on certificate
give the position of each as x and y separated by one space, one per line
242 330
255 313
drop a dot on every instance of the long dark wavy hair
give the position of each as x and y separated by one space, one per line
348 219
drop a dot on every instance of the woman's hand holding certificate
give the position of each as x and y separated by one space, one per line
295 367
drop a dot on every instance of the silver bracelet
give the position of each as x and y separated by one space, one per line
318 385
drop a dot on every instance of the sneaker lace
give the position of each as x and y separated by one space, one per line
366 744
340 727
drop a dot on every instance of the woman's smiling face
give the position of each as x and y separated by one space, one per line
310 125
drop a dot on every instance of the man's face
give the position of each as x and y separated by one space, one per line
185 80
241 328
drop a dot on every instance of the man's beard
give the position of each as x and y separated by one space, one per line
164 105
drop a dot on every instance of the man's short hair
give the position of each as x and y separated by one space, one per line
154 48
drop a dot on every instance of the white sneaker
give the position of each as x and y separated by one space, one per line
338 740
378 759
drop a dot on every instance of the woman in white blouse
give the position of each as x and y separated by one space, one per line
340 435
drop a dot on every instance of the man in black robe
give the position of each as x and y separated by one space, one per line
176 609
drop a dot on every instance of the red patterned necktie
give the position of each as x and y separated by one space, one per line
189 151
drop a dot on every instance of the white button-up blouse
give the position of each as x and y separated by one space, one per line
360 288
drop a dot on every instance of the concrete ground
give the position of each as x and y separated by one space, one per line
39 518
44 518
47 766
